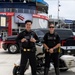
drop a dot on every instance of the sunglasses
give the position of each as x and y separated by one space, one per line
51 27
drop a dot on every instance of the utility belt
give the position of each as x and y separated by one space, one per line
26 49
29 50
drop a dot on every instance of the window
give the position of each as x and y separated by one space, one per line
7 9
32 11
26 10
67 33
1 10
20 10
38 32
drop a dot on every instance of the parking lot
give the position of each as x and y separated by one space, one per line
7 62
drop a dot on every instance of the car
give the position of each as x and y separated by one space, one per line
67 40
66 36
13 47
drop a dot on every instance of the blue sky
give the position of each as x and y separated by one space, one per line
67 8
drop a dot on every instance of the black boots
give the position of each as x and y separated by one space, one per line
57 71
46 71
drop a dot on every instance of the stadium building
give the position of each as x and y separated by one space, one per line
13 14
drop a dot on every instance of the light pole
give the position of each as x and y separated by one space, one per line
58 14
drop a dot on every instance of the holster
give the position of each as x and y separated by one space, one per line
57 50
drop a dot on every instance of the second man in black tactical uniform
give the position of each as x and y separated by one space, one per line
51 44
28 38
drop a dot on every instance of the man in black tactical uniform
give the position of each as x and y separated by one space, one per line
51 44
28 38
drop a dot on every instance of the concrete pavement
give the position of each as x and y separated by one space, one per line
7 63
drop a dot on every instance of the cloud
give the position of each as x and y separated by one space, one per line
66 8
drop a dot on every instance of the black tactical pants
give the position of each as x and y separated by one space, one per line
55 59
32 60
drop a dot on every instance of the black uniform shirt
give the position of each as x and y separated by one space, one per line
51 40
27 35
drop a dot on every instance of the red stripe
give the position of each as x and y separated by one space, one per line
19 18
63 42
11 41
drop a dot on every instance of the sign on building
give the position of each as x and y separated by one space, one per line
21 17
